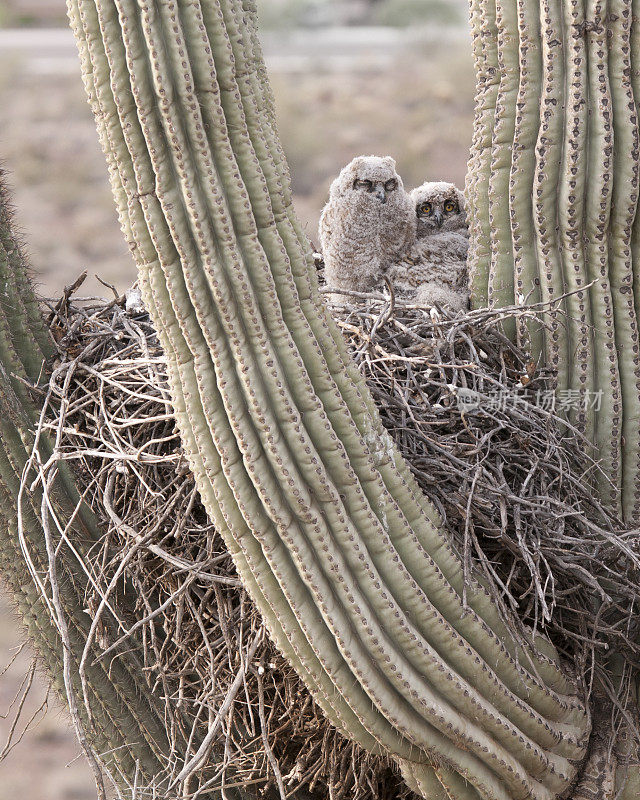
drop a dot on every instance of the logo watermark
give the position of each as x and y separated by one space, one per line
555 402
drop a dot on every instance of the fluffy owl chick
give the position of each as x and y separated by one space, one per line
433 270
367 223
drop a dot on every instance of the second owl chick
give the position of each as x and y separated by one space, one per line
367 223
434 268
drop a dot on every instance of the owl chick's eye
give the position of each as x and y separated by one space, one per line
358 184
390 185
450 206
425 209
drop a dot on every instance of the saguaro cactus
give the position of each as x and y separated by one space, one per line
553 191
343 556
346 560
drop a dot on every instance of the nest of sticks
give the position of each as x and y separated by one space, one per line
472 416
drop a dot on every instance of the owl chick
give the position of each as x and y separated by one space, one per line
434 268
367 223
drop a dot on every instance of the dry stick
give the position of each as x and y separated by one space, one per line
23 693
155 549
202 752
63 629
12 660
265 737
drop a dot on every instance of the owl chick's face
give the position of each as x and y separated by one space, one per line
376 177
373 179
439 207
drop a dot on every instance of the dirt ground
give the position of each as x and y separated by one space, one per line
414 103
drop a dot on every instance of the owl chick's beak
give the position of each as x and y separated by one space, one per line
381 193
437 215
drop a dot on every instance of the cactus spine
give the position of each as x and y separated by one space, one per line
578 103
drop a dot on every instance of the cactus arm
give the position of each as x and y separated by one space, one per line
172 339
178 343
585 228
623 212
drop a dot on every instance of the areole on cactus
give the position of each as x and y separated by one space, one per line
344 557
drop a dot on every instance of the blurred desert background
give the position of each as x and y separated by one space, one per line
350 77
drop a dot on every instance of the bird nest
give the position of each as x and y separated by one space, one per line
475 421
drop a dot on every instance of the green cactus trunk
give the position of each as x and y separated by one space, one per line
569 142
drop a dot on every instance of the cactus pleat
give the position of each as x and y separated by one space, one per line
501 290
359 587
577 162
603 361
440 784
571 203
484 37
631 460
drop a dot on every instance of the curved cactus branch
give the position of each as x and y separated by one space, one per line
345 559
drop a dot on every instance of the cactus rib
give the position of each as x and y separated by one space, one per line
596 224
527 120
571 213
501 275
484 31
